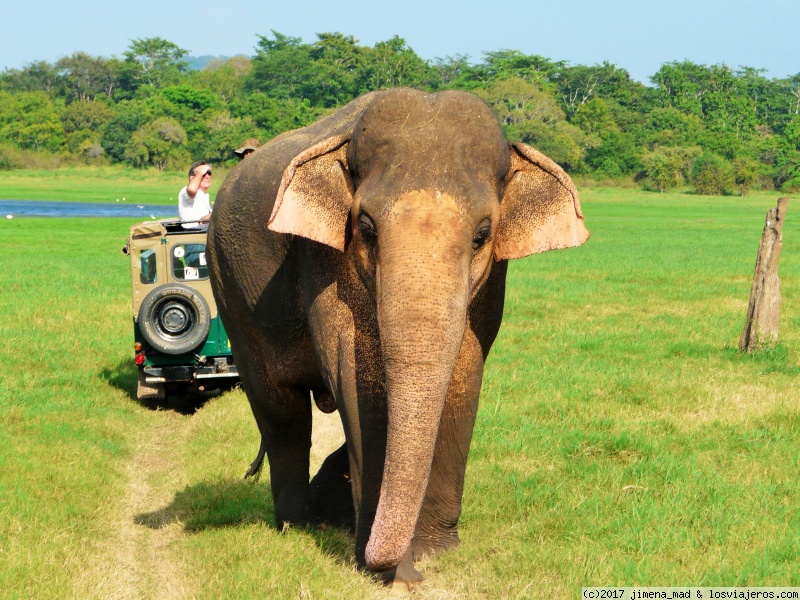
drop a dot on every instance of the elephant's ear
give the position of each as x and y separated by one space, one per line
315 195
539 210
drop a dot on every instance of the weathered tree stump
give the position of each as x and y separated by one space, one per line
764 310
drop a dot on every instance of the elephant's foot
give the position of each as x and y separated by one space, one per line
404 577
302 517
331 493
292 506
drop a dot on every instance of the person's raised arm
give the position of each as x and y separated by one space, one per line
196 179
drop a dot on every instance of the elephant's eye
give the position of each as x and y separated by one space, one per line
481 235
367 228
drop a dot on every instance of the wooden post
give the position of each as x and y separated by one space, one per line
764 310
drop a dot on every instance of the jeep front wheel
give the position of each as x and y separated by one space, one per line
174 319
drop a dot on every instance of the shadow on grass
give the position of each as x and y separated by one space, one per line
181 399
773 358
123 377
234 503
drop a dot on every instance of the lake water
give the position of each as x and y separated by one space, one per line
46 208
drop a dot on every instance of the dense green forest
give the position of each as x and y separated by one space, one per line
712 129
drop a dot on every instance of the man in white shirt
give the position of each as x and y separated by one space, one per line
194 203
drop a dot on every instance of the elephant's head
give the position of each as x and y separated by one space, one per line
423 196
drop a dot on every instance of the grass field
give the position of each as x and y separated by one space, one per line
99 184
621 439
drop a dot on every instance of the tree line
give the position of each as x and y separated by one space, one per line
712 128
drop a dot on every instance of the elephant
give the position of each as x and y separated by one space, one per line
361 261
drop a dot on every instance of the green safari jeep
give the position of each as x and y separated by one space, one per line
179 339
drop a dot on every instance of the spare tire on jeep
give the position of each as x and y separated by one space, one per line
174 319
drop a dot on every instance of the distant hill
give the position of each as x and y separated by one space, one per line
198 63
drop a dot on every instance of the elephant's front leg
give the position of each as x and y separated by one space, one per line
437 527
288 439
283 415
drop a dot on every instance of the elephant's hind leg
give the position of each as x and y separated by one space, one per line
331 491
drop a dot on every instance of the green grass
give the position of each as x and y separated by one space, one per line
98 184
621 440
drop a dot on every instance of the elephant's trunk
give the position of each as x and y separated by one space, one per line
422 296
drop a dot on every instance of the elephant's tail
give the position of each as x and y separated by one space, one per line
256 466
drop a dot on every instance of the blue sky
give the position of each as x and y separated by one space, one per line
637 35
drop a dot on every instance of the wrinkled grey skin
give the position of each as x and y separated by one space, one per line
363 258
